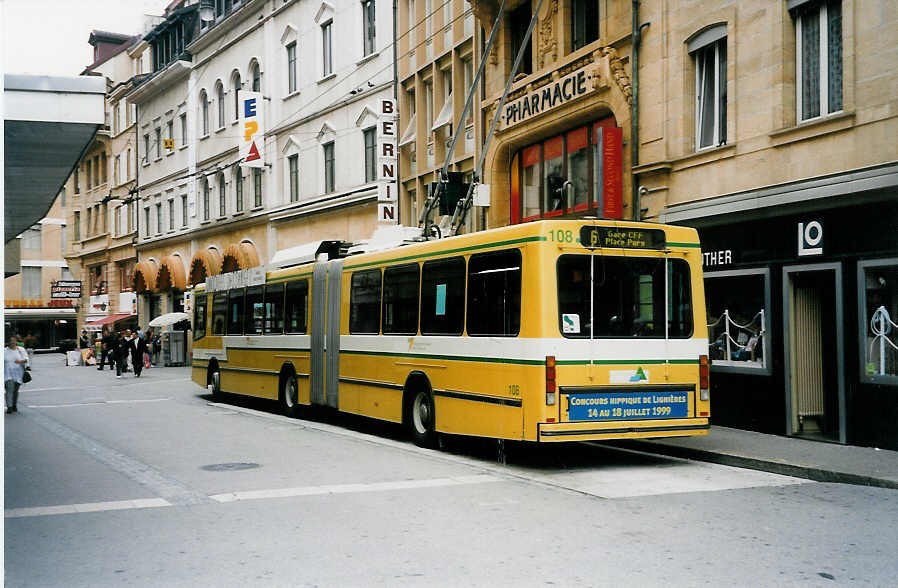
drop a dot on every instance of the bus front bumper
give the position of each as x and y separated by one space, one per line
591 431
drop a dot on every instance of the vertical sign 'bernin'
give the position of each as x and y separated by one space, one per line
252 130
387 163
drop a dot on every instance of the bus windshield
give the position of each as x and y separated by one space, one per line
628 297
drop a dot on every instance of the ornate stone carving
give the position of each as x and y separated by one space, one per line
616 67
547 47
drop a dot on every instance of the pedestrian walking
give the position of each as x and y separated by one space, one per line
83 341
120 352
106 344
138 348
30 343
14 362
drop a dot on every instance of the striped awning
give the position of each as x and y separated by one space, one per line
145 274
203 264
240 256
172 273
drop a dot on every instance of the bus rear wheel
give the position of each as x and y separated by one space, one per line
422 417
215 385
290 397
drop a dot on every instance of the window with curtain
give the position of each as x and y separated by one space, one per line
257 187
291 68
710 94
329 167
219 96
236 84
204 109
368 32
370 136
222 196
206 210
238 189
327 49
584 23
293 162
818 56
257 77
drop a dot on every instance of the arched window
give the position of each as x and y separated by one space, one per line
219 95
238 189
236 85
204 112
255 73
222 195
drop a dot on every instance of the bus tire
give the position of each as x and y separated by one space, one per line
215 383
421 419
289 396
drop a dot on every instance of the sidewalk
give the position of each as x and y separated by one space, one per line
813 460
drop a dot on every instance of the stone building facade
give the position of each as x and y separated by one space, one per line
770 127
321 69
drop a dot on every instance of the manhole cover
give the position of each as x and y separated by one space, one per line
229 467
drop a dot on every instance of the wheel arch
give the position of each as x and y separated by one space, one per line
415 381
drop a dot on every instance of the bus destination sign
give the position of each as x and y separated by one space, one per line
623 237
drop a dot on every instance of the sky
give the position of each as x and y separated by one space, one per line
50 36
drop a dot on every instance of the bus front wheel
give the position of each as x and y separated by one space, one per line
422 419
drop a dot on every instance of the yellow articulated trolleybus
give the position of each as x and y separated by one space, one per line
563 330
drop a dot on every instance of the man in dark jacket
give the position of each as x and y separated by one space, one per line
108 341
138 347
119 353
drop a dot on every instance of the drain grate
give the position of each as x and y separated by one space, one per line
230 467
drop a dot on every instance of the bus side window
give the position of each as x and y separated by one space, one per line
274 310
443 297
400 308
235 312
252 323
494 293
296 306
199 316
364 303
219 313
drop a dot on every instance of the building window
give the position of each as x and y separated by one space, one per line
368 33
183 119
370 154
158 142
117 169
77 225
31 238
204 112
102 170
219 96
158 218
878 312
238 189
184 210
327 52
584 23
116 129
170 127
256 73
171 214
206 210
818 56
237 85
738 311
568 174
293 161
89 230
128 165
709 53
31 282
328 167
89 165
77 181
519 21
257 187
222 196
146 219
291 68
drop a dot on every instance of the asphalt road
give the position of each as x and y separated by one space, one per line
145 482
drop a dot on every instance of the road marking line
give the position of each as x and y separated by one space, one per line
158 482
129 381
134 401
356 488
37 511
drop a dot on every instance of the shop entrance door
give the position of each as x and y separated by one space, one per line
813 329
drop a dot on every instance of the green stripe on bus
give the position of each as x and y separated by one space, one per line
288 278
673 244
449 251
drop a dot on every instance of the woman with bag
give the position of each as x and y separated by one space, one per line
14 361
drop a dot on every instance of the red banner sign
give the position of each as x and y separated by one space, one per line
612 175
